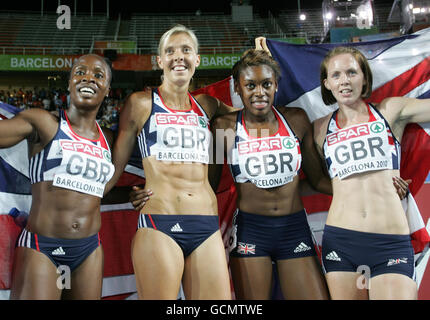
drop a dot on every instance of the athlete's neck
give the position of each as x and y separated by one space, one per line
267 122
83 122
351 114
175 97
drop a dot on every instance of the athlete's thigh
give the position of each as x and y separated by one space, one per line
86 280
393 286
252 277
302 278
158 264
34 276
345 286
206 272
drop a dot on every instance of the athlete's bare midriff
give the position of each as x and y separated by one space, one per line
368 202
62 213
277 201
178 188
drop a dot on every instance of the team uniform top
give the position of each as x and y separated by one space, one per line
269 161
73 162
362 147
175 135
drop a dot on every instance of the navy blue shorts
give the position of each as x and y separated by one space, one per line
280 237
346 250
188 231
69 252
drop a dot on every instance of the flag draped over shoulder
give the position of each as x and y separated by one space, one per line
15 192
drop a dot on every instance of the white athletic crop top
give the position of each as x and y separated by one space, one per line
267 162
172 135
73 162
360 148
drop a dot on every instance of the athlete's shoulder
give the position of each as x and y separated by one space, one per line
320 129
294 113
227 121
297 119
138 101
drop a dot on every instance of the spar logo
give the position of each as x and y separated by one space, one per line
349 133
107 155
177 119
288 143
260 145
202 122
377 127
85 148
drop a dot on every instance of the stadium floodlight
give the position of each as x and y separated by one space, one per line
302 16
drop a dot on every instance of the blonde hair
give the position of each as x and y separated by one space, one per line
179 28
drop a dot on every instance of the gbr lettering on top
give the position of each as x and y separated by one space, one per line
182 137
84 167
268 162
360 148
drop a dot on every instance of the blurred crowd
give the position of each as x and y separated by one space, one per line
55 98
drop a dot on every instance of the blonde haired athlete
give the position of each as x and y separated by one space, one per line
178 238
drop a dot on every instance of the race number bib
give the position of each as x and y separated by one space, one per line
268 162
360 148
181 137
84 168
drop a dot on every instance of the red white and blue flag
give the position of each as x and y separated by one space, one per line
245 248
400 67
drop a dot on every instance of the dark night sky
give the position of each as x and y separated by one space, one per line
145 6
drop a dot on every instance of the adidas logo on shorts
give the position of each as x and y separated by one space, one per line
58 252
176 228
332 256
302 247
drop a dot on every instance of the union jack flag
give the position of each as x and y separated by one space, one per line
392 262
245 248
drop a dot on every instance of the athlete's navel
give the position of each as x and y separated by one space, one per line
75 225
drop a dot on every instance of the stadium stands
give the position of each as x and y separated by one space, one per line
217 33
31 33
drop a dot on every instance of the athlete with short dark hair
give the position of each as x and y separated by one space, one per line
70 165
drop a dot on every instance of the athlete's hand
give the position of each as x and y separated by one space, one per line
260 44
401 186
138 197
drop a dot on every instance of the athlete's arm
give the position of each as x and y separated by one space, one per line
214 107
215 167
415 110
20 127
399 111
132 117
312 165
223 140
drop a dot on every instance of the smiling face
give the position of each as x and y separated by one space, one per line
178 58
257 86
89 81
345 79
